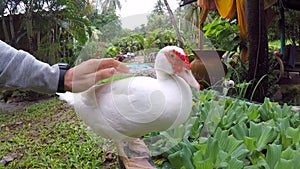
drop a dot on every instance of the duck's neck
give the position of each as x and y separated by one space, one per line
165 77
161 75
162 66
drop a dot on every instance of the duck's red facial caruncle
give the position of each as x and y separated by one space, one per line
178 60
182 67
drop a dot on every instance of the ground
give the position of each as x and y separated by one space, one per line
50 135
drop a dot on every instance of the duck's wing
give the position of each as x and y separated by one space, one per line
137 99
143 102
127 106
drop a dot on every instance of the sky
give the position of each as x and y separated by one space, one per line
134 12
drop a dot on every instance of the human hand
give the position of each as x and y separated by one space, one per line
86 74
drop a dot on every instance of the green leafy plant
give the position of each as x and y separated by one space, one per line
223 34
112 52
131 43
223 132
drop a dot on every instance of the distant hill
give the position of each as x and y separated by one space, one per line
131 22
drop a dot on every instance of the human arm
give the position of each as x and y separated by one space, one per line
20 70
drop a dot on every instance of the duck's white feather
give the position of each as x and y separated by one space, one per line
133 107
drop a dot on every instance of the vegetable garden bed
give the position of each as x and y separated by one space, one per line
229 133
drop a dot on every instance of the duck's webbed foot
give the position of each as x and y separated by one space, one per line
139 147
135 155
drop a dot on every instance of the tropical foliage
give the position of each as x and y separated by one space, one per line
227 133
291 27
131 43
223 34
161 38
108 24
48 27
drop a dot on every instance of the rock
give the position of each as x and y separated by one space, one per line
7 159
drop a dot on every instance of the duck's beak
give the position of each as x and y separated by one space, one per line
187 75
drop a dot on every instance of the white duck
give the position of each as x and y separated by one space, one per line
127 109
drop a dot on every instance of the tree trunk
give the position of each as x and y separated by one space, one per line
11 26
4 27
3 6
258 51
29 25
174 24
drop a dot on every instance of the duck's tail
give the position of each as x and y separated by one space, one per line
68 97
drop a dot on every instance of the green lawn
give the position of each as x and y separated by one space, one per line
50 135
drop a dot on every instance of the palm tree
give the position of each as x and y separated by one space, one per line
159 8
107 5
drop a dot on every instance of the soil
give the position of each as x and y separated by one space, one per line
21 101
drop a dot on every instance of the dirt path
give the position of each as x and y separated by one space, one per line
21 102
9 107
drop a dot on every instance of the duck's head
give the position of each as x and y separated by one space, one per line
173 60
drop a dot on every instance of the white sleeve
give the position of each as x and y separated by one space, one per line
20 70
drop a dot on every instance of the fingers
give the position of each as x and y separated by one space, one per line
109 62
105 73
122 68
91 71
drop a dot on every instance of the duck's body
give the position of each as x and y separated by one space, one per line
127 109
142 105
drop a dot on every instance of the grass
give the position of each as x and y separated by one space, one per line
50 135
275 45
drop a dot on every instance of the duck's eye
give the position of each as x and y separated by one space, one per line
172 55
